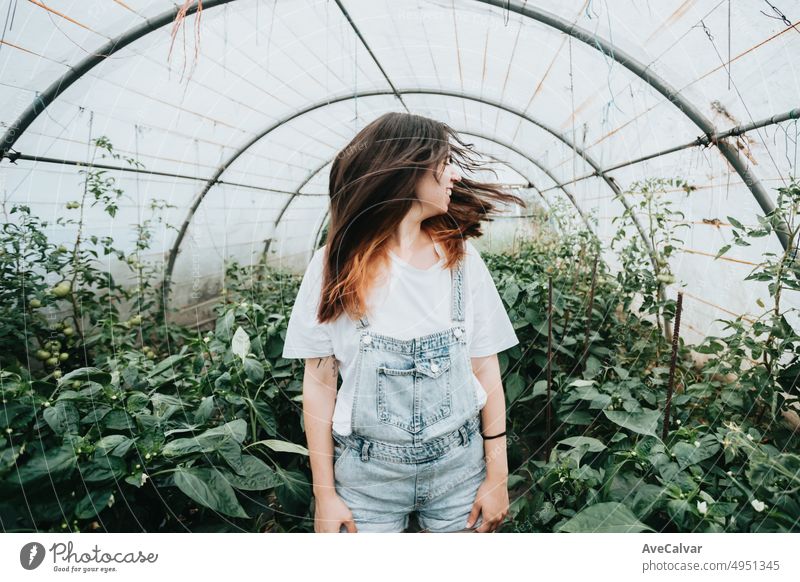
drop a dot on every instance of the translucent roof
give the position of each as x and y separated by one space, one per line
238 120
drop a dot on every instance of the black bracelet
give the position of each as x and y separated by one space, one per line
493 437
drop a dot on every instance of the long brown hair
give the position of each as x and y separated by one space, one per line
372 187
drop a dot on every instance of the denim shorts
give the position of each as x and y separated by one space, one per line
383 491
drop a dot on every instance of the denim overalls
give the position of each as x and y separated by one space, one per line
415 443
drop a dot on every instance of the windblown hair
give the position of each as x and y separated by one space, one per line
372 187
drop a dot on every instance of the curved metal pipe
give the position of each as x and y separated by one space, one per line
645 73
500 142
416 91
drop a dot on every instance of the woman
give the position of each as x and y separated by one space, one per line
403 304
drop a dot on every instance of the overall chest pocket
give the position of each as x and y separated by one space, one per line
413 399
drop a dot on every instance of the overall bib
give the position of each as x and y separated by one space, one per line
415 443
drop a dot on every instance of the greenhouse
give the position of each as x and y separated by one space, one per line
165 173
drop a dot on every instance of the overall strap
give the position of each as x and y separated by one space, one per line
457 292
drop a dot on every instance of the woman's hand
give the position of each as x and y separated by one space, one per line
330 513
491 500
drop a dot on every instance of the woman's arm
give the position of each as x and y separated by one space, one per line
491 499
493 415
319 401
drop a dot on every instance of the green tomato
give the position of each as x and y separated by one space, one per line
68 331
63 356
62 249
35 303
52 361
666 278
135 320
42 355
62 289
56 374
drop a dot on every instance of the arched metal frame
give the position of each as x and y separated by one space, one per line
607 48
396 92
669 92
495 140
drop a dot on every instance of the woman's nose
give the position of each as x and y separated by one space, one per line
455 176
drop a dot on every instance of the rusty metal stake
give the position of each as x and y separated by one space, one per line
585 350
549 363
675 337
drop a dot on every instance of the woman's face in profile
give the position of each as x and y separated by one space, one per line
433 193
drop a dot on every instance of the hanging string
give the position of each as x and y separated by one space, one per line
136 130
788 142
730 64
746 142
589 10
355 82
726 66
269 34
225 36
779 15
572 102
179 19
9 23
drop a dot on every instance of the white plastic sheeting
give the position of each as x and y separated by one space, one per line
302 68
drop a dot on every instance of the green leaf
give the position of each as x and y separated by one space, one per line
208 487
103 469
210 441
590 444
609 517
165 405
282 446
165 365
511 294
722 251
236 429
231 451
581 383
93 503
118 420
62 418
256 475
240 344
224 325
203 412
514 385
644 422
114 444
736 223
85 374
294 491
254 370
265 417
52 464
690 454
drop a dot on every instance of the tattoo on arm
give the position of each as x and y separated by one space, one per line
332 359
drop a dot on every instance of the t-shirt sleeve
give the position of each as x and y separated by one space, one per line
305 336
493 331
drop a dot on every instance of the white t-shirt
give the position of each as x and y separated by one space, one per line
415 302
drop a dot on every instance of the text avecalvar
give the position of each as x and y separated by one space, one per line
671 549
